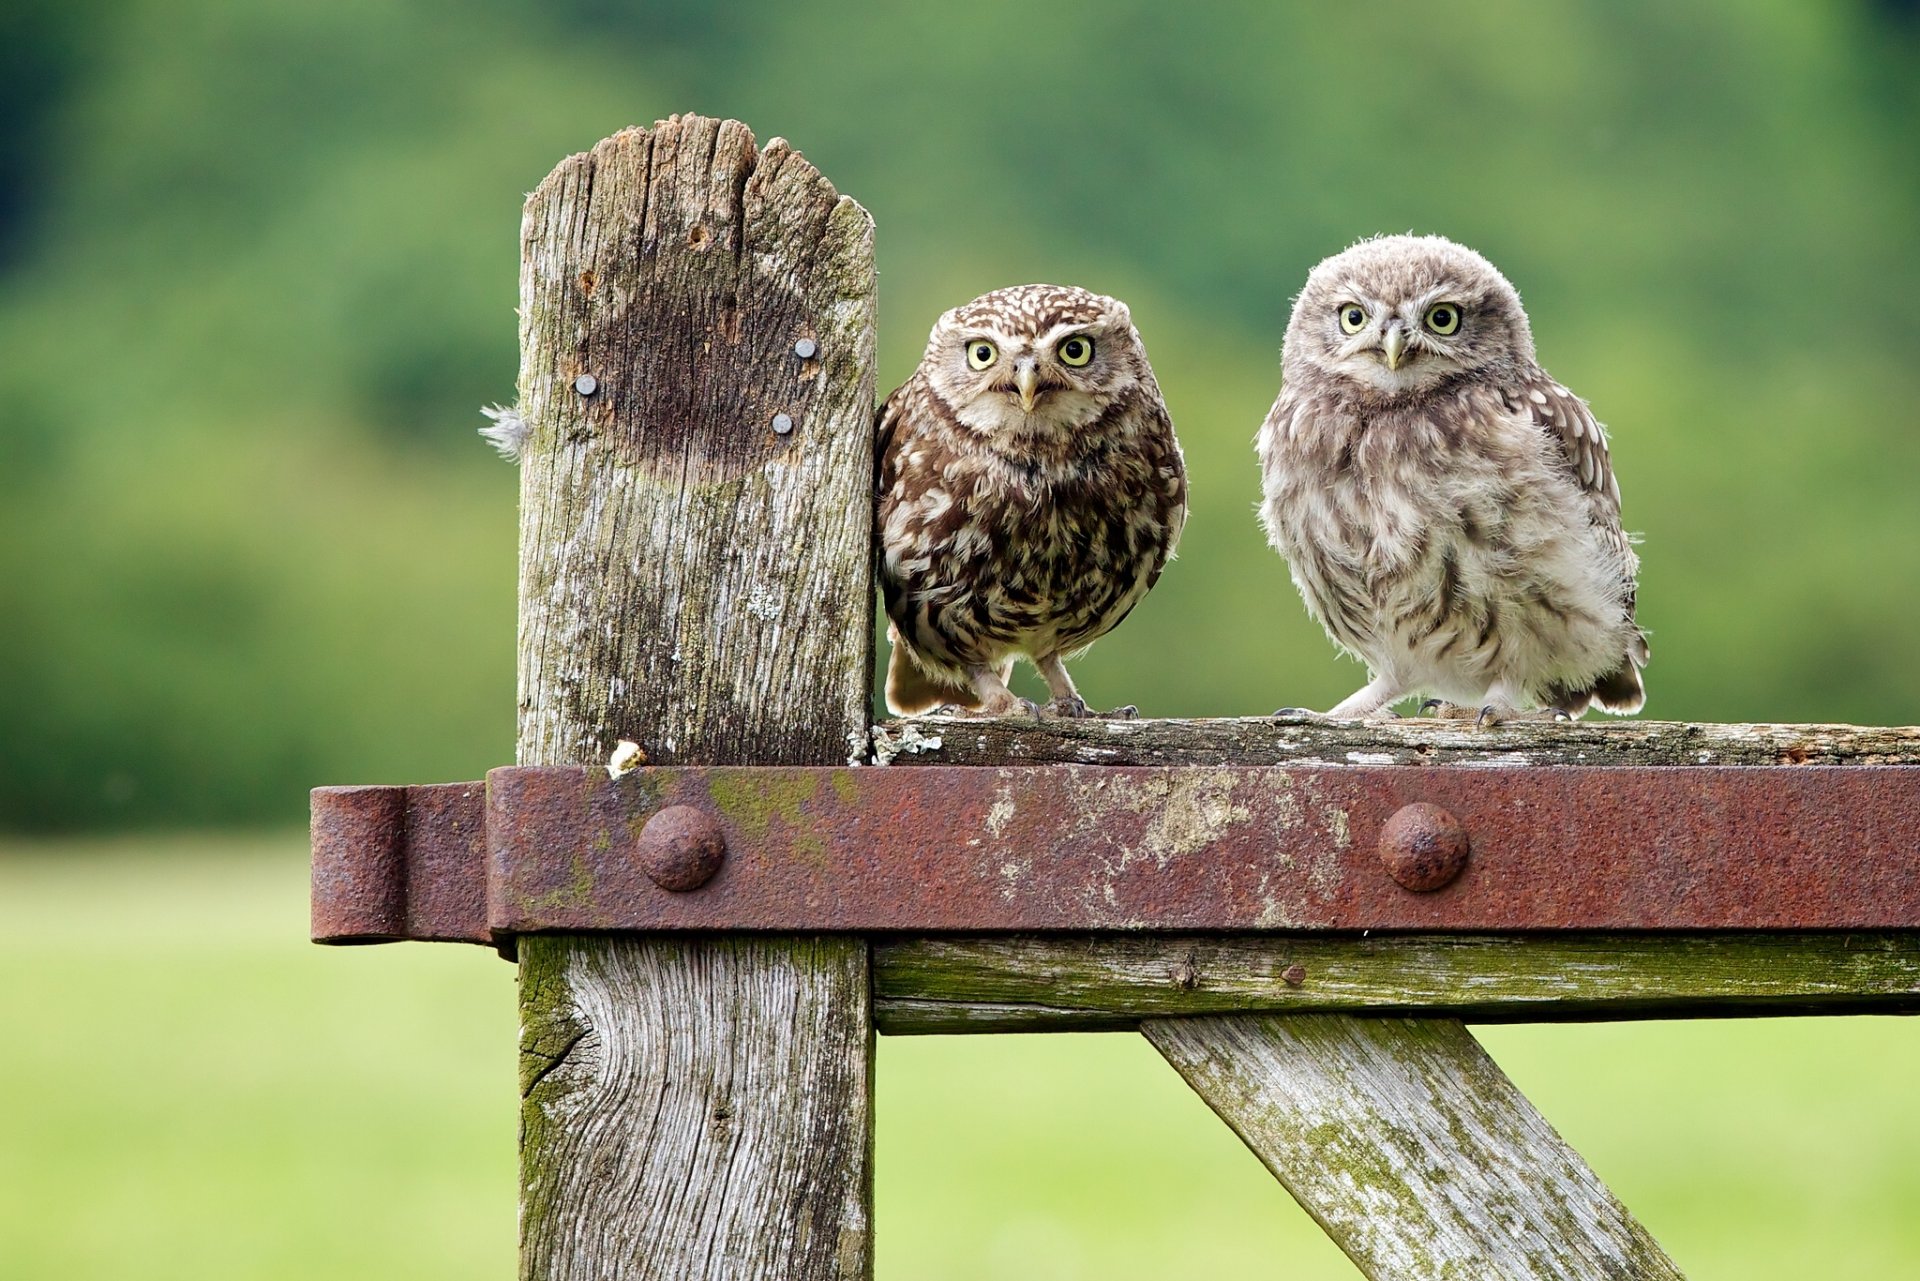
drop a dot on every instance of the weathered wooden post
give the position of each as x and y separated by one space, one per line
697 338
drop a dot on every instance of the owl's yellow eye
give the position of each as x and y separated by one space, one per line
1443 318
1076 350
981 354
1353 317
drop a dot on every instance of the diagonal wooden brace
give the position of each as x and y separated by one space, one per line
1411 1147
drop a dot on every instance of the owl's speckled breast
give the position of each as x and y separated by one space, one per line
992 559
984 556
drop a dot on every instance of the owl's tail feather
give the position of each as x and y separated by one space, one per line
1620 691
911 690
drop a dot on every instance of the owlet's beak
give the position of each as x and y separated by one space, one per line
1026 376
1394 342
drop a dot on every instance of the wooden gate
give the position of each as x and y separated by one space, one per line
1298 917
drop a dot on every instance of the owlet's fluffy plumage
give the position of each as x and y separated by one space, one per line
1448 511
1030 492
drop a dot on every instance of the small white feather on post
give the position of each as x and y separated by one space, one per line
507 432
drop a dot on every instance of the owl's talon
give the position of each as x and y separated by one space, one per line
1072 707
993 709
1493 715
1439 709
1126 713
1016 706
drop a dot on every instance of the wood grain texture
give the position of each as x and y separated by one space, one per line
932 740
689 578
1099 983
696 1110
694 581
1407 1143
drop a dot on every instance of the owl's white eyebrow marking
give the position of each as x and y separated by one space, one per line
1447 290
1061 330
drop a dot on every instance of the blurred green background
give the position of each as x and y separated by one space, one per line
258 270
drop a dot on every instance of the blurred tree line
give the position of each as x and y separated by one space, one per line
258 270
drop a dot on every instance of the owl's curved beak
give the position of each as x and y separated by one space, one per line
1026 377
1394 342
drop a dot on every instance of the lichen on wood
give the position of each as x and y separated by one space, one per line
1265 740
1411 1147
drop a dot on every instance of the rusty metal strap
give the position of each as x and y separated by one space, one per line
1066 847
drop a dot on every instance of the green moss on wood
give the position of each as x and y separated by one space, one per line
1102 982
550 1030
752 805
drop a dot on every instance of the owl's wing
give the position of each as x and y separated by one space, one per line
1564 417
886 424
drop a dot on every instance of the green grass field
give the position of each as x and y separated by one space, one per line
191 1090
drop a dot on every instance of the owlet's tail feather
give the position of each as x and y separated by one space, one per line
911 691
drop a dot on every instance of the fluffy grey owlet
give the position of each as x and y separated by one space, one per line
1448 511
1030 493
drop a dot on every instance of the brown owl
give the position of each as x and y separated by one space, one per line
1030 493
1448 511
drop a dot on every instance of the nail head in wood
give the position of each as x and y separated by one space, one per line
806 349
1423 846
681 848
586 384
782 424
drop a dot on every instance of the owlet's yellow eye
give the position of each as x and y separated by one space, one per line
1443 318
1076 351
981 354
1353 317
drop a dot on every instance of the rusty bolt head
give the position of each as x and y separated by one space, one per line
681 848
1423 846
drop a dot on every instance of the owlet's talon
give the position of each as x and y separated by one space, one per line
1071 708
1493 715
1008 705
1127 713
995 709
